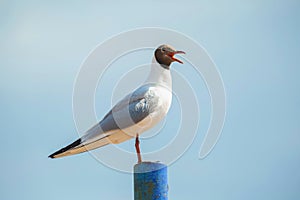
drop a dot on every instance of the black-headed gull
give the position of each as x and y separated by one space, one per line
134 114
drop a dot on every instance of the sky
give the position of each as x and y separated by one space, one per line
255 45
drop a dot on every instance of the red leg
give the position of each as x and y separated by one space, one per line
137 148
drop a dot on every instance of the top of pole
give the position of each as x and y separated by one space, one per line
148 166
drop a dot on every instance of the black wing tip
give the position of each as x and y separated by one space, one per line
74 144
55 153
51 156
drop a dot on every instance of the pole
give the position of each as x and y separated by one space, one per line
150 181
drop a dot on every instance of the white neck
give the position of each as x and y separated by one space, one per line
159 75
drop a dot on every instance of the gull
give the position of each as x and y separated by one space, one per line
136 113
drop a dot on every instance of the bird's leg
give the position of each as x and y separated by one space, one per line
137 148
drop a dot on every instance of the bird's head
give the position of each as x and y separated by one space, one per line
164 55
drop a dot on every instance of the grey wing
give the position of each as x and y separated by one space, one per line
132 109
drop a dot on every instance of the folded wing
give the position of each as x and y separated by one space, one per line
129 111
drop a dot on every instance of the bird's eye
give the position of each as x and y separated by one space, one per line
163 49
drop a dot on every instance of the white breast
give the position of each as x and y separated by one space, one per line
162 79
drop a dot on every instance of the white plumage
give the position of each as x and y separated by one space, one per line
134 114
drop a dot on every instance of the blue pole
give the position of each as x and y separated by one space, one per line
150 181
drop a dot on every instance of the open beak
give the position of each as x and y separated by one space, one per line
172 54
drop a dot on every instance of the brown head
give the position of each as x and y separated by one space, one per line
164 55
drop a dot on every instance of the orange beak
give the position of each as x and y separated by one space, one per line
172 54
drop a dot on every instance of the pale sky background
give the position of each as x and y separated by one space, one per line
256 46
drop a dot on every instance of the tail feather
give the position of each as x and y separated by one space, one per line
79 147
63 150
87 143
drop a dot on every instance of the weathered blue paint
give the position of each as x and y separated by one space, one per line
150 181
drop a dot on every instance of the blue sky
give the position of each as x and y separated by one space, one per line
255 45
